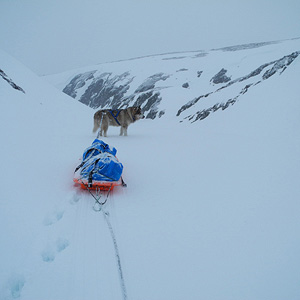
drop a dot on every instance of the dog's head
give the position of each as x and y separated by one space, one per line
137 113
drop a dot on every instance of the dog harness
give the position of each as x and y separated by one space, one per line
115 115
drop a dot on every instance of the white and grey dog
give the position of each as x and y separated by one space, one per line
116 117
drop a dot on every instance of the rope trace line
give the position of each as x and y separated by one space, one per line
117 254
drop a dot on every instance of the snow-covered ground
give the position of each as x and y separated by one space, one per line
211 210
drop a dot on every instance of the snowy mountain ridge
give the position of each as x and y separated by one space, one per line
205 81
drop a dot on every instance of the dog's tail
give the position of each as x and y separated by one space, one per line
96 124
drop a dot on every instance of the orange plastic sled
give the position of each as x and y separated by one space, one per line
102 185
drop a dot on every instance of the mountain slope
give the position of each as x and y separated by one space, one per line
39 128
203 81
211 210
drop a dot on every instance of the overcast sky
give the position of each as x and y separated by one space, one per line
52 36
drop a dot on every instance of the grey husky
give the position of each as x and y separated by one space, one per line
116 117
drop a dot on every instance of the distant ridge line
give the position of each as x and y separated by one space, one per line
237 47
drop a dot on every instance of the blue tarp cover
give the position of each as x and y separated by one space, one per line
100 159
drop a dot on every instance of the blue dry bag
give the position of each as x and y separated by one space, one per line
99 163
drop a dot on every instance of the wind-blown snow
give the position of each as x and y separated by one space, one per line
211 210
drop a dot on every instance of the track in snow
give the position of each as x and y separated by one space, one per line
117 254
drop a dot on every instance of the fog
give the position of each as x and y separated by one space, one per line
54 36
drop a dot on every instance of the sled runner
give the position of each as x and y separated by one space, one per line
99 168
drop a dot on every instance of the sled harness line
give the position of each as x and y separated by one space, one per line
115 116
97 196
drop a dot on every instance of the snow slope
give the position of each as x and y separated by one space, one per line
191 85
211 210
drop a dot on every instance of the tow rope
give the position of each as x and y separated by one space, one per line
97 196
98 207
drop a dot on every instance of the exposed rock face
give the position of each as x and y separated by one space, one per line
149 83
220 77
281 65
108 90
199 73
78 82
277 66
201 92
10 82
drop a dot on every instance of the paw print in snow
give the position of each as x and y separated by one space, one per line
53 217
49 253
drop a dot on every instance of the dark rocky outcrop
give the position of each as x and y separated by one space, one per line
277 66
150 82
112 90
199 73
78 82
220 77
107 90
10 82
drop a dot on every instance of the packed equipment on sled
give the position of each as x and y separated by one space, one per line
99 168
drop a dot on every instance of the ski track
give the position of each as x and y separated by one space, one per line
106 216
54 246
117 254
52 249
